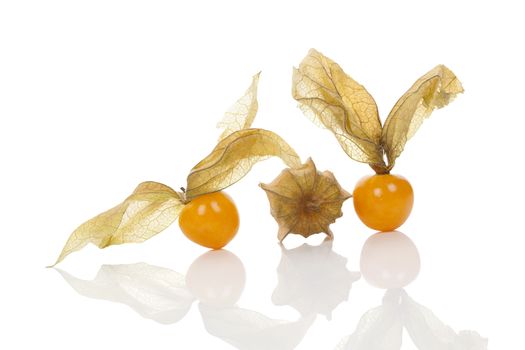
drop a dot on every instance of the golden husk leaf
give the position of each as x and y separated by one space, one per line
435 89
305 201
150 209
242 113
239 148
233 157
331 98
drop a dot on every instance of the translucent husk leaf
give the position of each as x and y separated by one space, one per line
433 90
239 148
331 98
233 157
305 201
150 209
334 100
242 113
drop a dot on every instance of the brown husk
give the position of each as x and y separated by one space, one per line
305 201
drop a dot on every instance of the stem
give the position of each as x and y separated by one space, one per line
380 169
182 196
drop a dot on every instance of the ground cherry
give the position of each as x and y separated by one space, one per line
210 220
383 202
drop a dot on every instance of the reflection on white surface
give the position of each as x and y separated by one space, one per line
391 260
154 292
250 330
382 328
216 279
313 279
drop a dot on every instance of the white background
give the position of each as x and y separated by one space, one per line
97 96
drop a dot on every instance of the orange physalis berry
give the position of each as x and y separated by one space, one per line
383 202
210 220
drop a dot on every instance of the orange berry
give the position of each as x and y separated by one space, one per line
383 202
210 220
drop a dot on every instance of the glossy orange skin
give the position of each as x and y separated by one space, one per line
383 202
211 220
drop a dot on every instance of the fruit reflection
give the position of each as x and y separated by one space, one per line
217 278
389 260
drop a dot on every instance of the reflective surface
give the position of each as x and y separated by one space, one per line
313 280
390 260
153 292
381 328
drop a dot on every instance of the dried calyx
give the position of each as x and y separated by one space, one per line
305 201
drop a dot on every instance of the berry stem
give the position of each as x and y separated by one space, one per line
380 169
